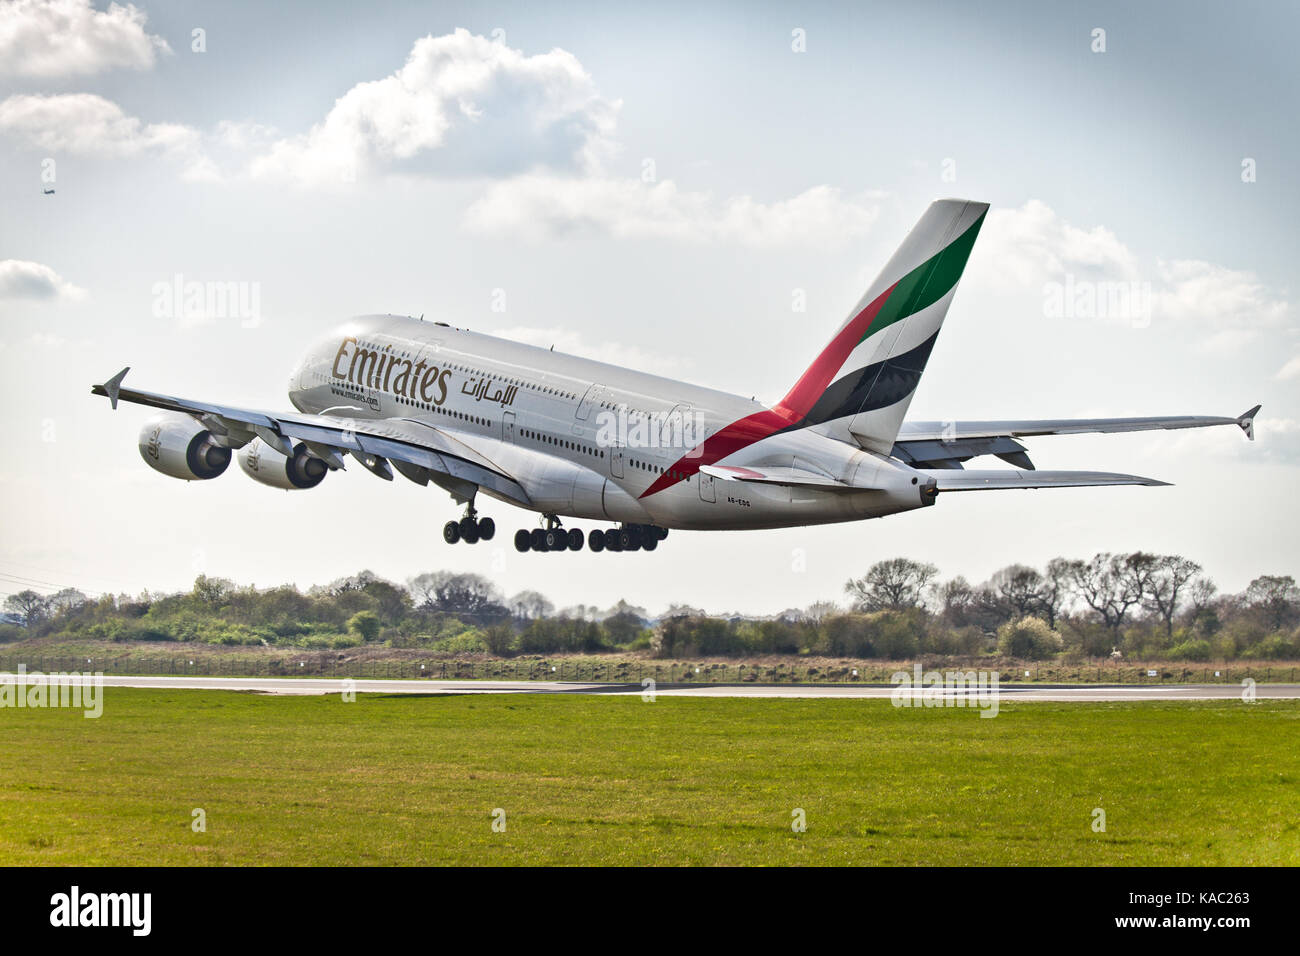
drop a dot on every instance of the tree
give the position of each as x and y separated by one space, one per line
1055 589
1274 598
1019 587
33 608
212 592
66 601
622 607
818 611
953 600
365 624
894 585
1200 596
468 594
530 605
683 610
1110 585
1029 638
1166 586
393 601
623 627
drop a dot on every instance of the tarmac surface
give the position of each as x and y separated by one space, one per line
1056 693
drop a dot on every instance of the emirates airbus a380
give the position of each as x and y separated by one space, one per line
568 437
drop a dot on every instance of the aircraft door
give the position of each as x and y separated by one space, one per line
616 460
707 492
508 427
590 398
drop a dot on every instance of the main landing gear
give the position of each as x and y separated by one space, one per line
471 529
630 537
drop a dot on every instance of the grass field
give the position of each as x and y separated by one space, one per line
414 780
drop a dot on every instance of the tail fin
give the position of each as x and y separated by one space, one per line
861 384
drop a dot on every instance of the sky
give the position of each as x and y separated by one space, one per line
699 190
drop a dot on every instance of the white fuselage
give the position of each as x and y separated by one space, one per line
586 439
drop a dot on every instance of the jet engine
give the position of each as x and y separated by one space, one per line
263 463
180 447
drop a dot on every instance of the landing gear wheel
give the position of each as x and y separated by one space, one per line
522 540
575 539
451 532
596 541
486 529
650 543
625 539
613 540
538 538
555 539
469 530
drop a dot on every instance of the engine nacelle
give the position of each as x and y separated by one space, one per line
263 463
180 447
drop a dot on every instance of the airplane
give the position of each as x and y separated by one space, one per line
568 437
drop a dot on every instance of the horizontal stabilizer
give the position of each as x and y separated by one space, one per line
957 480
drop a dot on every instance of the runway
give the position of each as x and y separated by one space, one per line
1042 693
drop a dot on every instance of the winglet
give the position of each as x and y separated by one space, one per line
1247 422
113 386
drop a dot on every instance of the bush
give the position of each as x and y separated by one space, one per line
1275 647
845 635
1028 638
470 642
365 624
499 638
1193 650
559 634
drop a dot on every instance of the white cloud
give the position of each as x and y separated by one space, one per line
1233 303
541 206
1032 247
1277 442
20 279
89 125
537 127
462 105
1032 244
1290 370
52 38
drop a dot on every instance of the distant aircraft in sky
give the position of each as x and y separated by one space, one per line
568 437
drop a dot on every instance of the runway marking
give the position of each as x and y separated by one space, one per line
1019 693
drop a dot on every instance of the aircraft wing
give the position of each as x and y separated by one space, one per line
417 450
999 479
947 444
